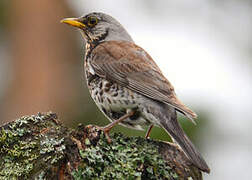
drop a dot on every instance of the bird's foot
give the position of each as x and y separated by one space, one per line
106 129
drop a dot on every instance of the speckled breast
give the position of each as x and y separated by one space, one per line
115 101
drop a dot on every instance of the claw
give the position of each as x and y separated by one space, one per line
106 132
107 137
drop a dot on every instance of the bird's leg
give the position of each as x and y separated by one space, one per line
148 132
107 128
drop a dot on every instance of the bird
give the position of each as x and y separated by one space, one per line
127 85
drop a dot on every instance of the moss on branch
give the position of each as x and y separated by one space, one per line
40 147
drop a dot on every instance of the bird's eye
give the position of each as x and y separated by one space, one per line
92 21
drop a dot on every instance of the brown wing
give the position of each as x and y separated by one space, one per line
130 66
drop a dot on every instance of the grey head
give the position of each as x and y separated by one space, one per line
98 27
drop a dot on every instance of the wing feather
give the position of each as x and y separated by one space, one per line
129 65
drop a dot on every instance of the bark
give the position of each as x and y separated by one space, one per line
40 147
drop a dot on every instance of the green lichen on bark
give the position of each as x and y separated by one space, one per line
39 147
29 146
124 158
129 158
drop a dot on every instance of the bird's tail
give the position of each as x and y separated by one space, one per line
171 125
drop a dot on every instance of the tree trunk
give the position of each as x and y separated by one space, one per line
44 59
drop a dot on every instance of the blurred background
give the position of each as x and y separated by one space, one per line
203 47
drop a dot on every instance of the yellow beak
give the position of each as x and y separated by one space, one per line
73 22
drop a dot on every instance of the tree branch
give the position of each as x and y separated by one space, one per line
40 147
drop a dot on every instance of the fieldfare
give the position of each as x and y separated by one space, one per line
127 85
